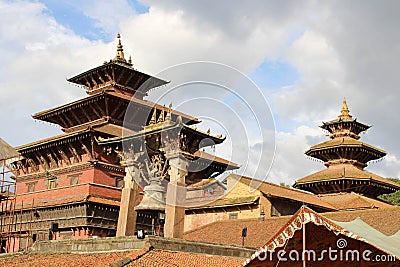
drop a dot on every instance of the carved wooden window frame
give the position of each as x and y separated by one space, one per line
74 178
30 186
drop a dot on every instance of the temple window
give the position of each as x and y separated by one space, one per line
74 179
30 186
51 181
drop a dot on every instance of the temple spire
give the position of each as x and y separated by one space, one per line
120 57
344 114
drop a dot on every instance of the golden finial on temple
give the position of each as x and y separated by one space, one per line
344 113
153 119
161 118
119 57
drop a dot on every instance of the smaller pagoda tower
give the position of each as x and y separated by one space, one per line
345 158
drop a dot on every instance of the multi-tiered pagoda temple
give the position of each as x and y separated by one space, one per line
345 158
70 183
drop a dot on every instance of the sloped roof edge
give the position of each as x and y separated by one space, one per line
306 215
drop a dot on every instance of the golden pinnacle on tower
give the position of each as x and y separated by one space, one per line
153 119
161 118
120 57
120 51
344 113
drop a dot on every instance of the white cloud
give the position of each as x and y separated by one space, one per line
106 14
315 57
290 162
38 54
167 36
341 49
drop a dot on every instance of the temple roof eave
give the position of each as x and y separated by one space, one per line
39 143
46 115
62 138
139 136
82 78
326 154
348 172
375 188
361 125
344 143
216 160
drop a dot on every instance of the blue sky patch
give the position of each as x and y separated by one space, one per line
274 74
139 7
68 14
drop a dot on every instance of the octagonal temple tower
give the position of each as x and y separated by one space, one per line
345 158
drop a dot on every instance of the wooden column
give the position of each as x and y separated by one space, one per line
129 199
176 196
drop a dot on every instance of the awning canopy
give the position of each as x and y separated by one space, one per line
356 230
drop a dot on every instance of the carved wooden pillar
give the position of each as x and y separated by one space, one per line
176 196
130 193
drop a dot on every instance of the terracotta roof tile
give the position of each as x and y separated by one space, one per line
386 221
349 201
273 190
161 258
66 260
7 151
142 257
229 232
344 141
348 171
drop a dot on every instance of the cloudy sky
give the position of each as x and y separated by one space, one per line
304 56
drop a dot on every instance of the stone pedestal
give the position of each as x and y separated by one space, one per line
176 196
129 199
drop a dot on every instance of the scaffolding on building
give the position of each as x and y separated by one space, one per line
12 215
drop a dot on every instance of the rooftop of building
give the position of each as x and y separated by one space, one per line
48 113
7 151
139 257
128 251
274 190
353 201
343 118
347 142
345 171
258 232
120 73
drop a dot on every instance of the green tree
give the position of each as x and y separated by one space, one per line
283 184
393 198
